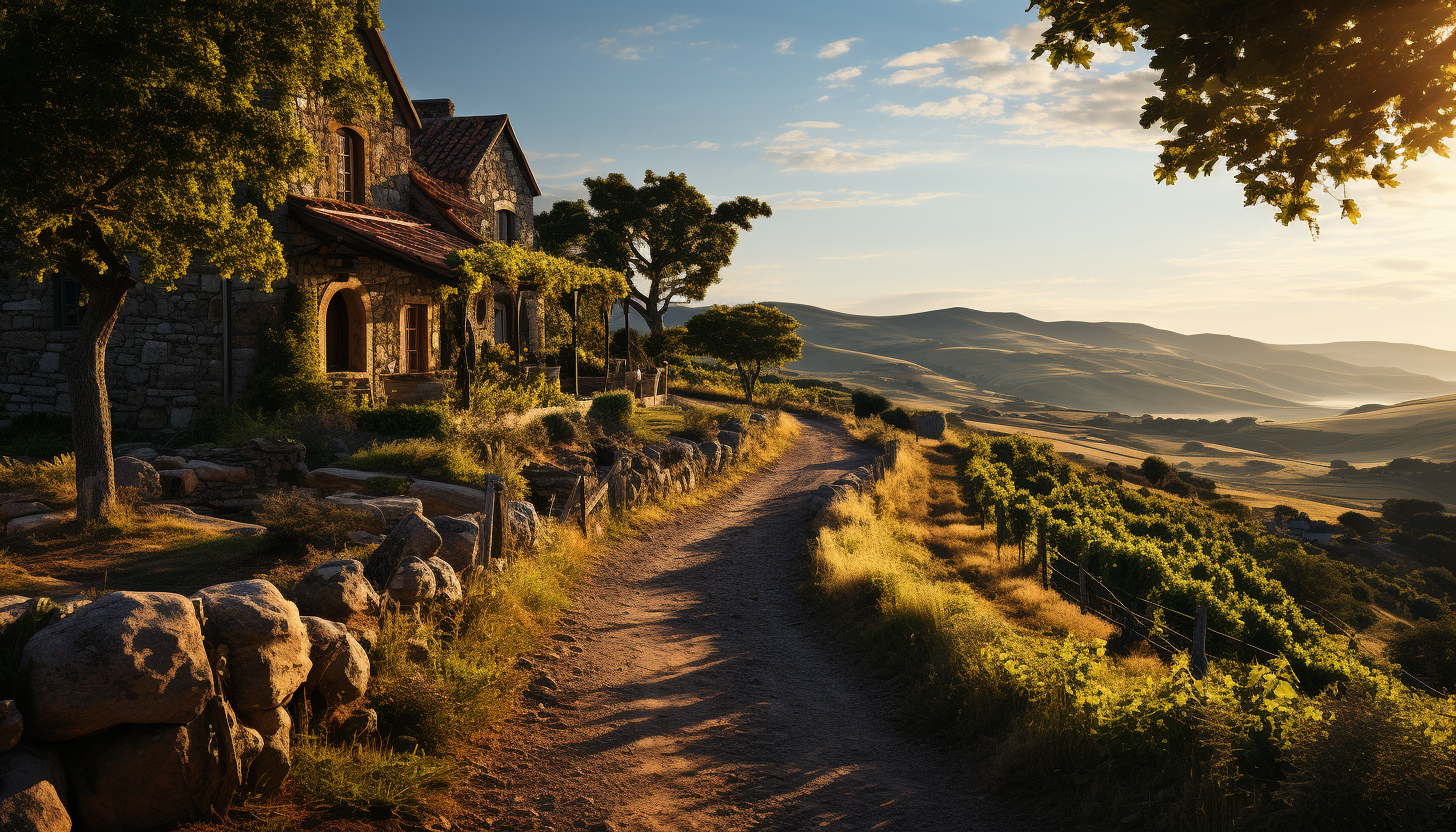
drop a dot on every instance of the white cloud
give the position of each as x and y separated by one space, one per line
672 24
785 46
822 125
837 48
844 161
910 76
839 76
822 98
971 50
856 256
616 50
540 156
959 107
705 145
820 200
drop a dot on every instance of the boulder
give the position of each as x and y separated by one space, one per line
33 790
231 528
178 482
524 521
340 673
267 643
459 537
338 591
17 508
930 424
734 424
33 523
413 582
413 537
141 776
447 583
169 463
336 478
137 475
275 759
359 537
212 472
354 502
11 725
759 417
125 657
147 455
731 438
712 452
443 498
396 509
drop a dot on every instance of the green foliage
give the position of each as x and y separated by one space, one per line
560 427
665 232
668 346
1359 524
289 376
52 482
1399 510
511 265
1156 469
363 780
386 486
868 403
702 423
1176 554
1325 585
296 522
750 337
898 417
43 435
430 459
613 410
1266 90
405 421
1428 652
1234 509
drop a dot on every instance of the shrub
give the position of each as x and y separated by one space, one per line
1428 652
1156 469
868 403
703 423
1358 524
1234 509
1337 464
897 417
559 427
296 522
613 410
405 421
51 482
430 459
363 779
1398 510
386 486
289 376
43 435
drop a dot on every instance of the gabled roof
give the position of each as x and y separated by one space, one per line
450 201
374 41
451 148
399 239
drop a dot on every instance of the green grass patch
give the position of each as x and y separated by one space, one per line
52 482
361 780
431 459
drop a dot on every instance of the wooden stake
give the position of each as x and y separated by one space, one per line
1198 663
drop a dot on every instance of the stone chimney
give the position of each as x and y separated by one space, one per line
434 109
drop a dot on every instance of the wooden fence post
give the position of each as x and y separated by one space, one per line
1198 663
581 483
1041 551
1083 590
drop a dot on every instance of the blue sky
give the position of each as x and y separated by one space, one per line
916 158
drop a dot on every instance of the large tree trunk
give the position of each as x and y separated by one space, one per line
84 364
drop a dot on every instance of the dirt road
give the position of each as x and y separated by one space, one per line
698 692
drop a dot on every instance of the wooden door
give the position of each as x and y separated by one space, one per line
416 338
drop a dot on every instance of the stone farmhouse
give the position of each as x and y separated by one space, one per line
367 240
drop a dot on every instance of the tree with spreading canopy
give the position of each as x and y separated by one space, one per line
1293 97
665 234
126 132
749 337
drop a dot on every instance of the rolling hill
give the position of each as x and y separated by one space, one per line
1412 358
961 357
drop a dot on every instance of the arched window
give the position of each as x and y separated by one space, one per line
507 229
351 167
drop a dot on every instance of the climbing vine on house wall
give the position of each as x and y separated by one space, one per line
512 265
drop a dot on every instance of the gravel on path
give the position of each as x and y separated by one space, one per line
689 687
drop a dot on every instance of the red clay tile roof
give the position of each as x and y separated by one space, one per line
452 147
450 200
400 239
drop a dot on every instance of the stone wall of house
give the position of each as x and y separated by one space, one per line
499 182
163 364
388 153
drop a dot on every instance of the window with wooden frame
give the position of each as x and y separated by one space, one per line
507 229
350 167
417 338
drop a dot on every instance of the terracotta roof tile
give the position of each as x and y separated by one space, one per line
450 200
451 148
400 238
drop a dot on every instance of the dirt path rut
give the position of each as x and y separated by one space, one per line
697 692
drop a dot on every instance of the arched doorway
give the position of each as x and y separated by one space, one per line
336 335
